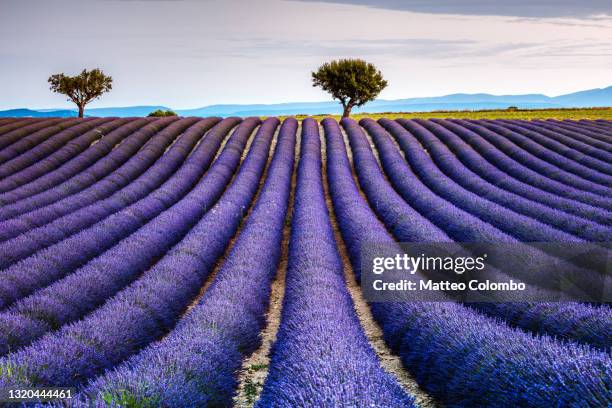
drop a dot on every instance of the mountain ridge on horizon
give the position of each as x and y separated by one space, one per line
597 97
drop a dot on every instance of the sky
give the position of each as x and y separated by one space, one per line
193 53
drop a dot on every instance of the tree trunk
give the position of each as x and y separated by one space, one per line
347 111
81 110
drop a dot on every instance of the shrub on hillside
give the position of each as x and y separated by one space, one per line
162 113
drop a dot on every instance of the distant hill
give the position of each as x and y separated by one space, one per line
461 101
592 97
123 112
26 113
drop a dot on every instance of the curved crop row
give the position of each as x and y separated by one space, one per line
399 217
596 126
48 148
601 129
61 228
586 324
522 227
207 346
82 291
12 191
505 140
463 176
534 140
70 150
72 167
321 356
590 132
567 142
460 357
60 259
8 124
21 130
460 225
150 307
128 161
479 165
517 170
8 120
44 137
576 322
607 123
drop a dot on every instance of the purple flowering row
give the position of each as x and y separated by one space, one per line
15 132
597 130
580 135
67 152
130 159
586 324
88 287
6 122
522 227
602 126
497 177
559 140
399 217
525 145
60 259
33 141
458 356
73 166
487 149
10 124
148 308
47 149
208 344
500 138
452 168
321 356
61 228
601 123
458 224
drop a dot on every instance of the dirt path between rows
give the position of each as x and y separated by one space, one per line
390 362
255 368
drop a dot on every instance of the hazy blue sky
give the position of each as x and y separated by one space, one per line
183 54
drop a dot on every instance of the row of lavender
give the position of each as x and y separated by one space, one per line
321 355
157 293
404 221
456 354
50 360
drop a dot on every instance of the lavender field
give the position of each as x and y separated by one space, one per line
146 262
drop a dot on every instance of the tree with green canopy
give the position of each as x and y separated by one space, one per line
83 88
353 82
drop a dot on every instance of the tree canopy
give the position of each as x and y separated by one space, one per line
353 82
159 113
83 88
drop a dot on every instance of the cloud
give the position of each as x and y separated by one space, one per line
361 47
465 50
516 8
